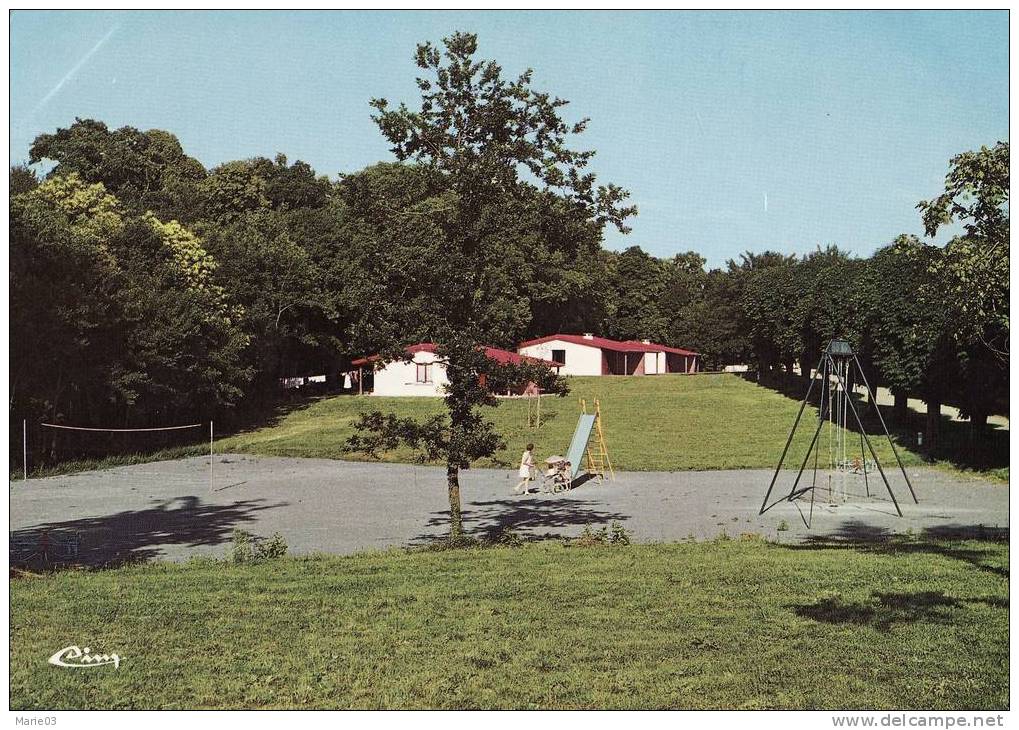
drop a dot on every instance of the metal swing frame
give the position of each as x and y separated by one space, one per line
838 361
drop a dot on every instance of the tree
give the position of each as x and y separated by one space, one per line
639 284
231 190
907 331
274 280
767 298
474 136
63 315
183 349
827 305
706 318
974 271
972 275
144 170
123 309
22 179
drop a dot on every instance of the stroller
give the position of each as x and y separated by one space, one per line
558 476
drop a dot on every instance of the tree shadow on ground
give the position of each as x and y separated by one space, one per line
133 535
535 518
956 443
884 610
949 541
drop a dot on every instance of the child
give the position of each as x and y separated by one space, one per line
524 472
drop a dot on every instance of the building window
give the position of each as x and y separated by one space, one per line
559 356
424 372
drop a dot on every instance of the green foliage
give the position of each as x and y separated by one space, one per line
906 326
509 538
145 170
768 303
248 549
973 273
22 179
639 283
615 535
124 308
976 193
284 307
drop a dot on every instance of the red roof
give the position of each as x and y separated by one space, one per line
604 343
494 353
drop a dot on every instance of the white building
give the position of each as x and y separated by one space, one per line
589 355
425 375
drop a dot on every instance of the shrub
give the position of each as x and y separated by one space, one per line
508 538
614 534
248 548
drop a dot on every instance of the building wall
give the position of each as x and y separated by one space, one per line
580 359
400 378
635 361
682 363
655 363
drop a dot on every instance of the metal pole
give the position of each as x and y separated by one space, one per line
793 494
874 453
212 481
24 445
877 408
817 452
789 440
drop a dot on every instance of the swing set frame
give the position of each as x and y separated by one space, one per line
838 361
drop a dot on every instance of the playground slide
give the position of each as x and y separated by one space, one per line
580 438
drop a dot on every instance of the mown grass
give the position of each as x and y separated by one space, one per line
727 624
661 423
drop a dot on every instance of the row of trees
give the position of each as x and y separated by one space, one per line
148 290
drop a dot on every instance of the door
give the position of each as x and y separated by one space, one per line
650 363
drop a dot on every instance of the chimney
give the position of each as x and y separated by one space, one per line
646 342
588 335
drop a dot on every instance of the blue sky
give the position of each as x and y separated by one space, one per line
733 131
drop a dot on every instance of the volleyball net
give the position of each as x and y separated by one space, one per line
55 448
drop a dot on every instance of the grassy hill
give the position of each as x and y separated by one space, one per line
737 624
666 422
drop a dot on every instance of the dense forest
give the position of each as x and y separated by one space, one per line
146 289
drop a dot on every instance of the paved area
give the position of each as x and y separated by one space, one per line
171 510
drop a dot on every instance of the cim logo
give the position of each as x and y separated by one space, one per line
75 658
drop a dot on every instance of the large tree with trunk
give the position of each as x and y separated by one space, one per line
907 329
485 148
972 275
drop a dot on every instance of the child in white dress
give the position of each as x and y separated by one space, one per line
524 472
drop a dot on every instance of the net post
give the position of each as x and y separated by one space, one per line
24 446
211 481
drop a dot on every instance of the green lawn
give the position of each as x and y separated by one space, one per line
726 624
666 422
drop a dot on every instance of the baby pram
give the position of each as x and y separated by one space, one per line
558 475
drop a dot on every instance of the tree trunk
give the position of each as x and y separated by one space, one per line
978 424
806 365
933 425
899 408
977 431
455 514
